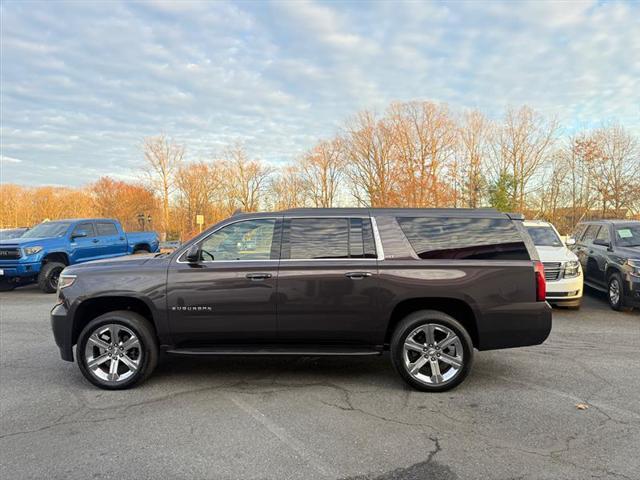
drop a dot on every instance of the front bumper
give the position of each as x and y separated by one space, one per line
566 291
62 331
19 269
632 291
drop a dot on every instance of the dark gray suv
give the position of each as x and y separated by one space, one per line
428 285
609 251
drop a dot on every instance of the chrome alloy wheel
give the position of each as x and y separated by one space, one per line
614 291
433 354
113 353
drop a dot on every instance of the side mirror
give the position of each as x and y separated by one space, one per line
193 254
80 234
570 241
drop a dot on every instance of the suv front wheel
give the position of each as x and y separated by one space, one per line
615 293
431 351
117 350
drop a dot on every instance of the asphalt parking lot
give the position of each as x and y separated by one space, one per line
306 418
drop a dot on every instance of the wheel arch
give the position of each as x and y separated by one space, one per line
93 307
457 308
61 257
141 246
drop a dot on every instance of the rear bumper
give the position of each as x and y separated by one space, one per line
62 331
515 325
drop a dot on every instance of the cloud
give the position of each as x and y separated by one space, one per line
84 83
4 158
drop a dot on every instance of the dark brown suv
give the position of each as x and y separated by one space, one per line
428 285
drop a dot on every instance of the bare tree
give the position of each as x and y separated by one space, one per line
474 134
368 150
322 171
163 158
287 189
424 139
520 147
247 178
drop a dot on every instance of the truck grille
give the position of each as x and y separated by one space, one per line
552 271
9 253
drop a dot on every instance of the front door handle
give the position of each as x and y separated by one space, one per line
95 240
258 276
357 275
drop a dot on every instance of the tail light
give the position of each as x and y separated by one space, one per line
541 283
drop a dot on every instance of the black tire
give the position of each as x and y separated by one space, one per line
616 278
425 317
48 276
141 251
148 349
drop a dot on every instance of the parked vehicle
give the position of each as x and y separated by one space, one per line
41 253
562 269
12 232
428 285
609 251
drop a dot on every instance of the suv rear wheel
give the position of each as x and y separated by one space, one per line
431 351
117 350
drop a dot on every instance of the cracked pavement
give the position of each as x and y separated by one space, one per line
337 418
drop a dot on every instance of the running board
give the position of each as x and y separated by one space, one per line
276 350
594 286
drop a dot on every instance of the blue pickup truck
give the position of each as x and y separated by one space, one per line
41 253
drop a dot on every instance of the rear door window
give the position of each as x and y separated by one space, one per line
464 238
328 238
106 229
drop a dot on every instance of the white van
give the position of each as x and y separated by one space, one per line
562 269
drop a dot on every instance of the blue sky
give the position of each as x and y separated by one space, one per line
84 82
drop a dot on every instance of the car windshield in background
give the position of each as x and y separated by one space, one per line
48 230
628 235
544 237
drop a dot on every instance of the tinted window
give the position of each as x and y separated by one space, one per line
361 244
628 235
318 238
544 236
464 238
87 228
590 233
248 240
105 229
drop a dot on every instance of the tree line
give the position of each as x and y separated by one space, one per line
414 154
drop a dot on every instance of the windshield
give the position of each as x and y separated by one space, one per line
628 235
47 230
544 237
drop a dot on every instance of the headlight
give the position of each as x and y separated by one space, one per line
32 250
634 263
66 280
571 269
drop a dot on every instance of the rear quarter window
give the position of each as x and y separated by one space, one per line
464 238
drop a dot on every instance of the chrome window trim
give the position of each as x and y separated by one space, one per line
377 240
374 228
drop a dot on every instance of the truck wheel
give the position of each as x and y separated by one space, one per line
117 350
431 351
48 276
615 293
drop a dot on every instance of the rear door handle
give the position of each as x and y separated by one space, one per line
357 275
258 276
